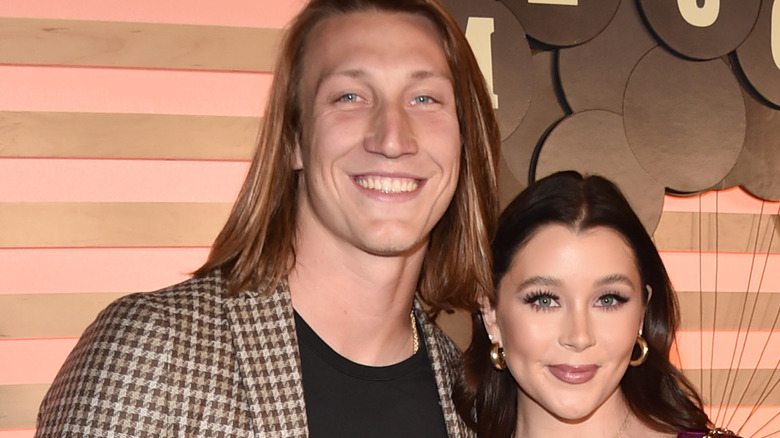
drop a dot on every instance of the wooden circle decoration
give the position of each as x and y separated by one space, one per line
701 29
758 167
544 112
562 22
759 55
500 45
594 142
685 121
594 74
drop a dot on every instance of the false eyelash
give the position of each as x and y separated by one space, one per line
533 296
618 297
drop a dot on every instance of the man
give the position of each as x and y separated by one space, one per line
374 179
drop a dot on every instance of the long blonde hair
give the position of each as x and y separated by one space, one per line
255 248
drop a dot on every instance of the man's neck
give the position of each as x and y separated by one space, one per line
358 303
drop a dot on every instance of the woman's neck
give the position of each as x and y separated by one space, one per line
611 419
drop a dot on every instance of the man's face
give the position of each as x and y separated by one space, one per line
380 147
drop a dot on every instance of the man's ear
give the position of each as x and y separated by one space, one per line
489 320
297 155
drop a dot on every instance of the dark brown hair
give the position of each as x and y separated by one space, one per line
255 248
657 393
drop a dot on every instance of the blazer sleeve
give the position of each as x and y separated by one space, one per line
113 382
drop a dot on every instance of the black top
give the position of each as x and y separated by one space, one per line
346 399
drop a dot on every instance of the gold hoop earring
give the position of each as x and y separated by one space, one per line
645 352
497 357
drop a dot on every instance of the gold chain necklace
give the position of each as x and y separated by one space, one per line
623 426
415 335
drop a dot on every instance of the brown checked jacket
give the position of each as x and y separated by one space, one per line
187 361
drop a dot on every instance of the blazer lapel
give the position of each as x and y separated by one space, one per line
266 347
445 358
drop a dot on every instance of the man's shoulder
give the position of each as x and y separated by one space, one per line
193 291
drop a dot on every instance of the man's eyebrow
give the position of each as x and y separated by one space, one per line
360 73
614 278
349 73
425 74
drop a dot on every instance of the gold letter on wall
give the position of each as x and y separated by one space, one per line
478 32
774 31
703 16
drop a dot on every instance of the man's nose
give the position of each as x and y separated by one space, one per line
391 132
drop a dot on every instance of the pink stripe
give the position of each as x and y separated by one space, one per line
17 433
695 349
77 180
133 91
734 271
734 200
32 361
30 271
250 13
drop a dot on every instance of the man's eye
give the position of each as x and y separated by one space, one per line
349 97
423 100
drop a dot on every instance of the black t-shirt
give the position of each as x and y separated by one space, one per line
346 399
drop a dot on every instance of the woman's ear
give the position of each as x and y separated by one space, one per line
644 307
489 320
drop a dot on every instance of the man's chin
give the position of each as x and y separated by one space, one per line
396 248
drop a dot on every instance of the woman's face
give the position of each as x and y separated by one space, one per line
568 312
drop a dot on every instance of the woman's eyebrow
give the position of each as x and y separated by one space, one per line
614 278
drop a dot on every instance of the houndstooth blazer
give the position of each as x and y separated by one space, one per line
189 361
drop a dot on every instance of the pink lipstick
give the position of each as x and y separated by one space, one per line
573 374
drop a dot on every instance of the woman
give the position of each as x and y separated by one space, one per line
574 341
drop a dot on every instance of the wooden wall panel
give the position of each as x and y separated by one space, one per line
118 135
100 224
19 405
722 232
707 271
729 310
35 41
41 316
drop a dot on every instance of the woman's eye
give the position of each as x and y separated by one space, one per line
610 300
541 300
544 301
607 301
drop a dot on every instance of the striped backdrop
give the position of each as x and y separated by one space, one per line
125 133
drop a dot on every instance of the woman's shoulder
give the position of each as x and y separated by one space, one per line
713 433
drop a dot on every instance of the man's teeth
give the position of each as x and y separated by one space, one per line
388 185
